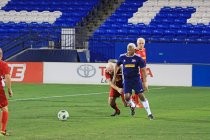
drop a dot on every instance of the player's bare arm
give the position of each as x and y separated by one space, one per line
116 69
144 77
9 85
120 90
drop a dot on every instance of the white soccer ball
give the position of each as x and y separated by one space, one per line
63 115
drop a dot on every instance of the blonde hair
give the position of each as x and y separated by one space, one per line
140 39
110 66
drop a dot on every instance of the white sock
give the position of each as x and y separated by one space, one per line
130 102
146 106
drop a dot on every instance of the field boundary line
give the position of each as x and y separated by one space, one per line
49 97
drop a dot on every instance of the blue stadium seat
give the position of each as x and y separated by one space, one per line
182 33
72 13
158 32
205 33
170 33
195 33
168 25
178 39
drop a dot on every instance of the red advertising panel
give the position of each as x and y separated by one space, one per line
26 72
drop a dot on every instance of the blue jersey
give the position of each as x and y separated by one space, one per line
131 65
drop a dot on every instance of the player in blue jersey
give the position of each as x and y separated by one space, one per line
132 81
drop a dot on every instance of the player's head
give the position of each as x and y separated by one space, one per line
140 43
110 67
131 49
112 60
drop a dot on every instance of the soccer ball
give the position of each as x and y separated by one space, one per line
63 115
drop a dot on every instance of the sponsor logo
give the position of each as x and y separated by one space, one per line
149 72
17 71
86 71
26 72
133 60
129 65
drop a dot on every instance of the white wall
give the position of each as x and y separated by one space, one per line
93 73
170 75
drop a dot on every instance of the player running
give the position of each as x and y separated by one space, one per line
130 64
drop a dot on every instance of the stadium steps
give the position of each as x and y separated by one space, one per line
104 10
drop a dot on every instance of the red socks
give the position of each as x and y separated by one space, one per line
4 120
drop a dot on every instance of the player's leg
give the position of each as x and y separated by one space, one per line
123 100
4 112
135 98
0 117
128 91
112 102
4 119
128 99
146 106
139 91
127 86
130 103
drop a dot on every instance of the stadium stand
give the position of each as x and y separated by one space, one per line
39 55
30 24
158 21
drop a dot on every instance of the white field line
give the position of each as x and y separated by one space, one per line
26 99
49 97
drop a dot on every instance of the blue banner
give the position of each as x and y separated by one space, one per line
201 75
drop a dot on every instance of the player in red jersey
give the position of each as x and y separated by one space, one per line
140 50
115 88
4 74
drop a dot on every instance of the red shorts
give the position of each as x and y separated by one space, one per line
113 93
3 99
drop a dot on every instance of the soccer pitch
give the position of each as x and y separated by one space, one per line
181 113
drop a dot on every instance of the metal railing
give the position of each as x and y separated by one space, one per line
53 38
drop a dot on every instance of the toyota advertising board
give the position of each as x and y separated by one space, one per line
93 73
74 73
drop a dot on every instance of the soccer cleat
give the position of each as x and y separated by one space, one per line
4 133
151 117
132 111
116 113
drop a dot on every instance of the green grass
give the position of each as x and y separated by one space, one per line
181 113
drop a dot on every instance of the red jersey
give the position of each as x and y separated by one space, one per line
4 69
119 82
142 53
